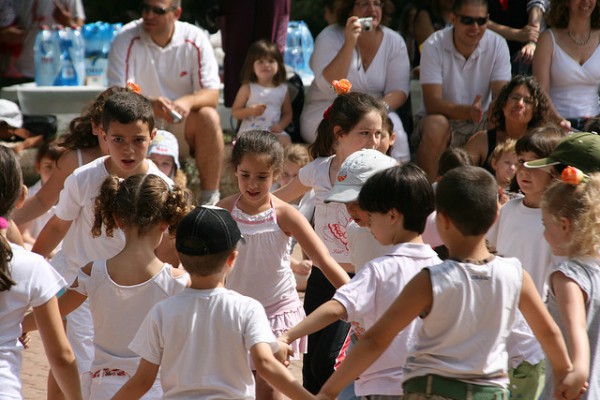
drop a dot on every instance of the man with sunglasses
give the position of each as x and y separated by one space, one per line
462 68
174 65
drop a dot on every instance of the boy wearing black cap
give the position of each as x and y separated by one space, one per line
200 338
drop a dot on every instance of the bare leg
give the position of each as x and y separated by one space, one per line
203 133
435 137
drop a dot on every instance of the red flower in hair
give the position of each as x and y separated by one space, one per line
342 86
572 176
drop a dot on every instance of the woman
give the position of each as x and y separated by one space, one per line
567 60
374 59
520 106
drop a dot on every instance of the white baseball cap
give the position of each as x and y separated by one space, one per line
354 172
165 144
10 113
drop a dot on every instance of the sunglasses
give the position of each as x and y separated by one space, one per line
466 20
146 8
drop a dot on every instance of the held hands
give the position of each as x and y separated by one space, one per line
476 111
572 386
284 353
529 33
526 53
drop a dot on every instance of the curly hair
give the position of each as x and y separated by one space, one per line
142 200
540 113
258 142
81 134
578 204
344 11
558 15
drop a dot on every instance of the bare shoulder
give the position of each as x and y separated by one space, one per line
228 202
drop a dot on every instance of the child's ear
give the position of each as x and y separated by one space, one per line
493 163
153 133
231 259
392 138
337 130
395 216
442 221
566 225
22 196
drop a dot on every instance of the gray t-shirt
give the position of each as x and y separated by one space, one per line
586 274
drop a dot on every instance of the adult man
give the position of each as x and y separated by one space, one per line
462 68
174 65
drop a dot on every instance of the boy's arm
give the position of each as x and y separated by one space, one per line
274 372
323 316
571 302
139 383
548 334
415 298
57 348
295 224
51 235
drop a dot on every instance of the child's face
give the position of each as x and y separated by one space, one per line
45 168
555 234
166 164
255 178
359 216
265 69
365 135
532 181
127 146
290 171
505 167
386 141
379 224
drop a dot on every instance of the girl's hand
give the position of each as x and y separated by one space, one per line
25 339
572 386
276 128
302 267
257 109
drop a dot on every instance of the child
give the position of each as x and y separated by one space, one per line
263 102
143 207
27 281
45 165
82 145
518 232
467 304
503 161
201 337
571 215
400 199
164 152
353 122
263 266
127 130
388 137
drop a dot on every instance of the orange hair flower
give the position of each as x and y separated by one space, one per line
572 176
342 86
135 88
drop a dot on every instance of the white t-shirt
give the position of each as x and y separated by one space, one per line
31 15
184 66
76 204
369 294
462 79
37 283
464 335
363 246
331 219
201 339
106 305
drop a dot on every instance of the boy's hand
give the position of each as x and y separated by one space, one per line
572 386
25 339
284 353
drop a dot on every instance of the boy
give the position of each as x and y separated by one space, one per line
467 305
398 200
201 337
128 129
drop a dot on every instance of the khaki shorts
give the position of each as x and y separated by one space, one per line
461 131
527 381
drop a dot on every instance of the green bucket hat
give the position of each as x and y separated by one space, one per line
580 150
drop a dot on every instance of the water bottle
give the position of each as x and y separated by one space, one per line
97 41
77 52
67 75
47 57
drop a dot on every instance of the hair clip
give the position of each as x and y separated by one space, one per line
3 223
573 176
342 86
135 88
326 112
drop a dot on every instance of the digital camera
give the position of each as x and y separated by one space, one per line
366 23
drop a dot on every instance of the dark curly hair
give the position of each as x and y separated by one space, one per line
142 200
558 15
344 11
258 142
540 113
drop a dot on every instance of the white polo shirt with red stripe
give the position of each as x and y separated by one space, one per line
186 65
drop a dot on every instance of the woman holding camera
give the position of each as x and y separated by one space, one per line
371 56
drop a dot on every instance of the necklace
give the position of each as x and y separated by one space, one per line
580 42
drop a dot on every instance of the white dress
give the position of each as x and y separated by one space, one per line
273 97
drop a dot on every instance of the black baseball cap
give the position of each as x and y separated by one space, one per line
207 230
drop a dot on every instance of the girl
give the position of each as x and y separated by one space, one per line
143 207
263 266
26 280
164 152
263 102
353 122
81 146
571 215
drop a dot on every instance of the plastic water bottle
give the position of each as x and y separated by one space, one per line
70 72
97 41
299 47
47 57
